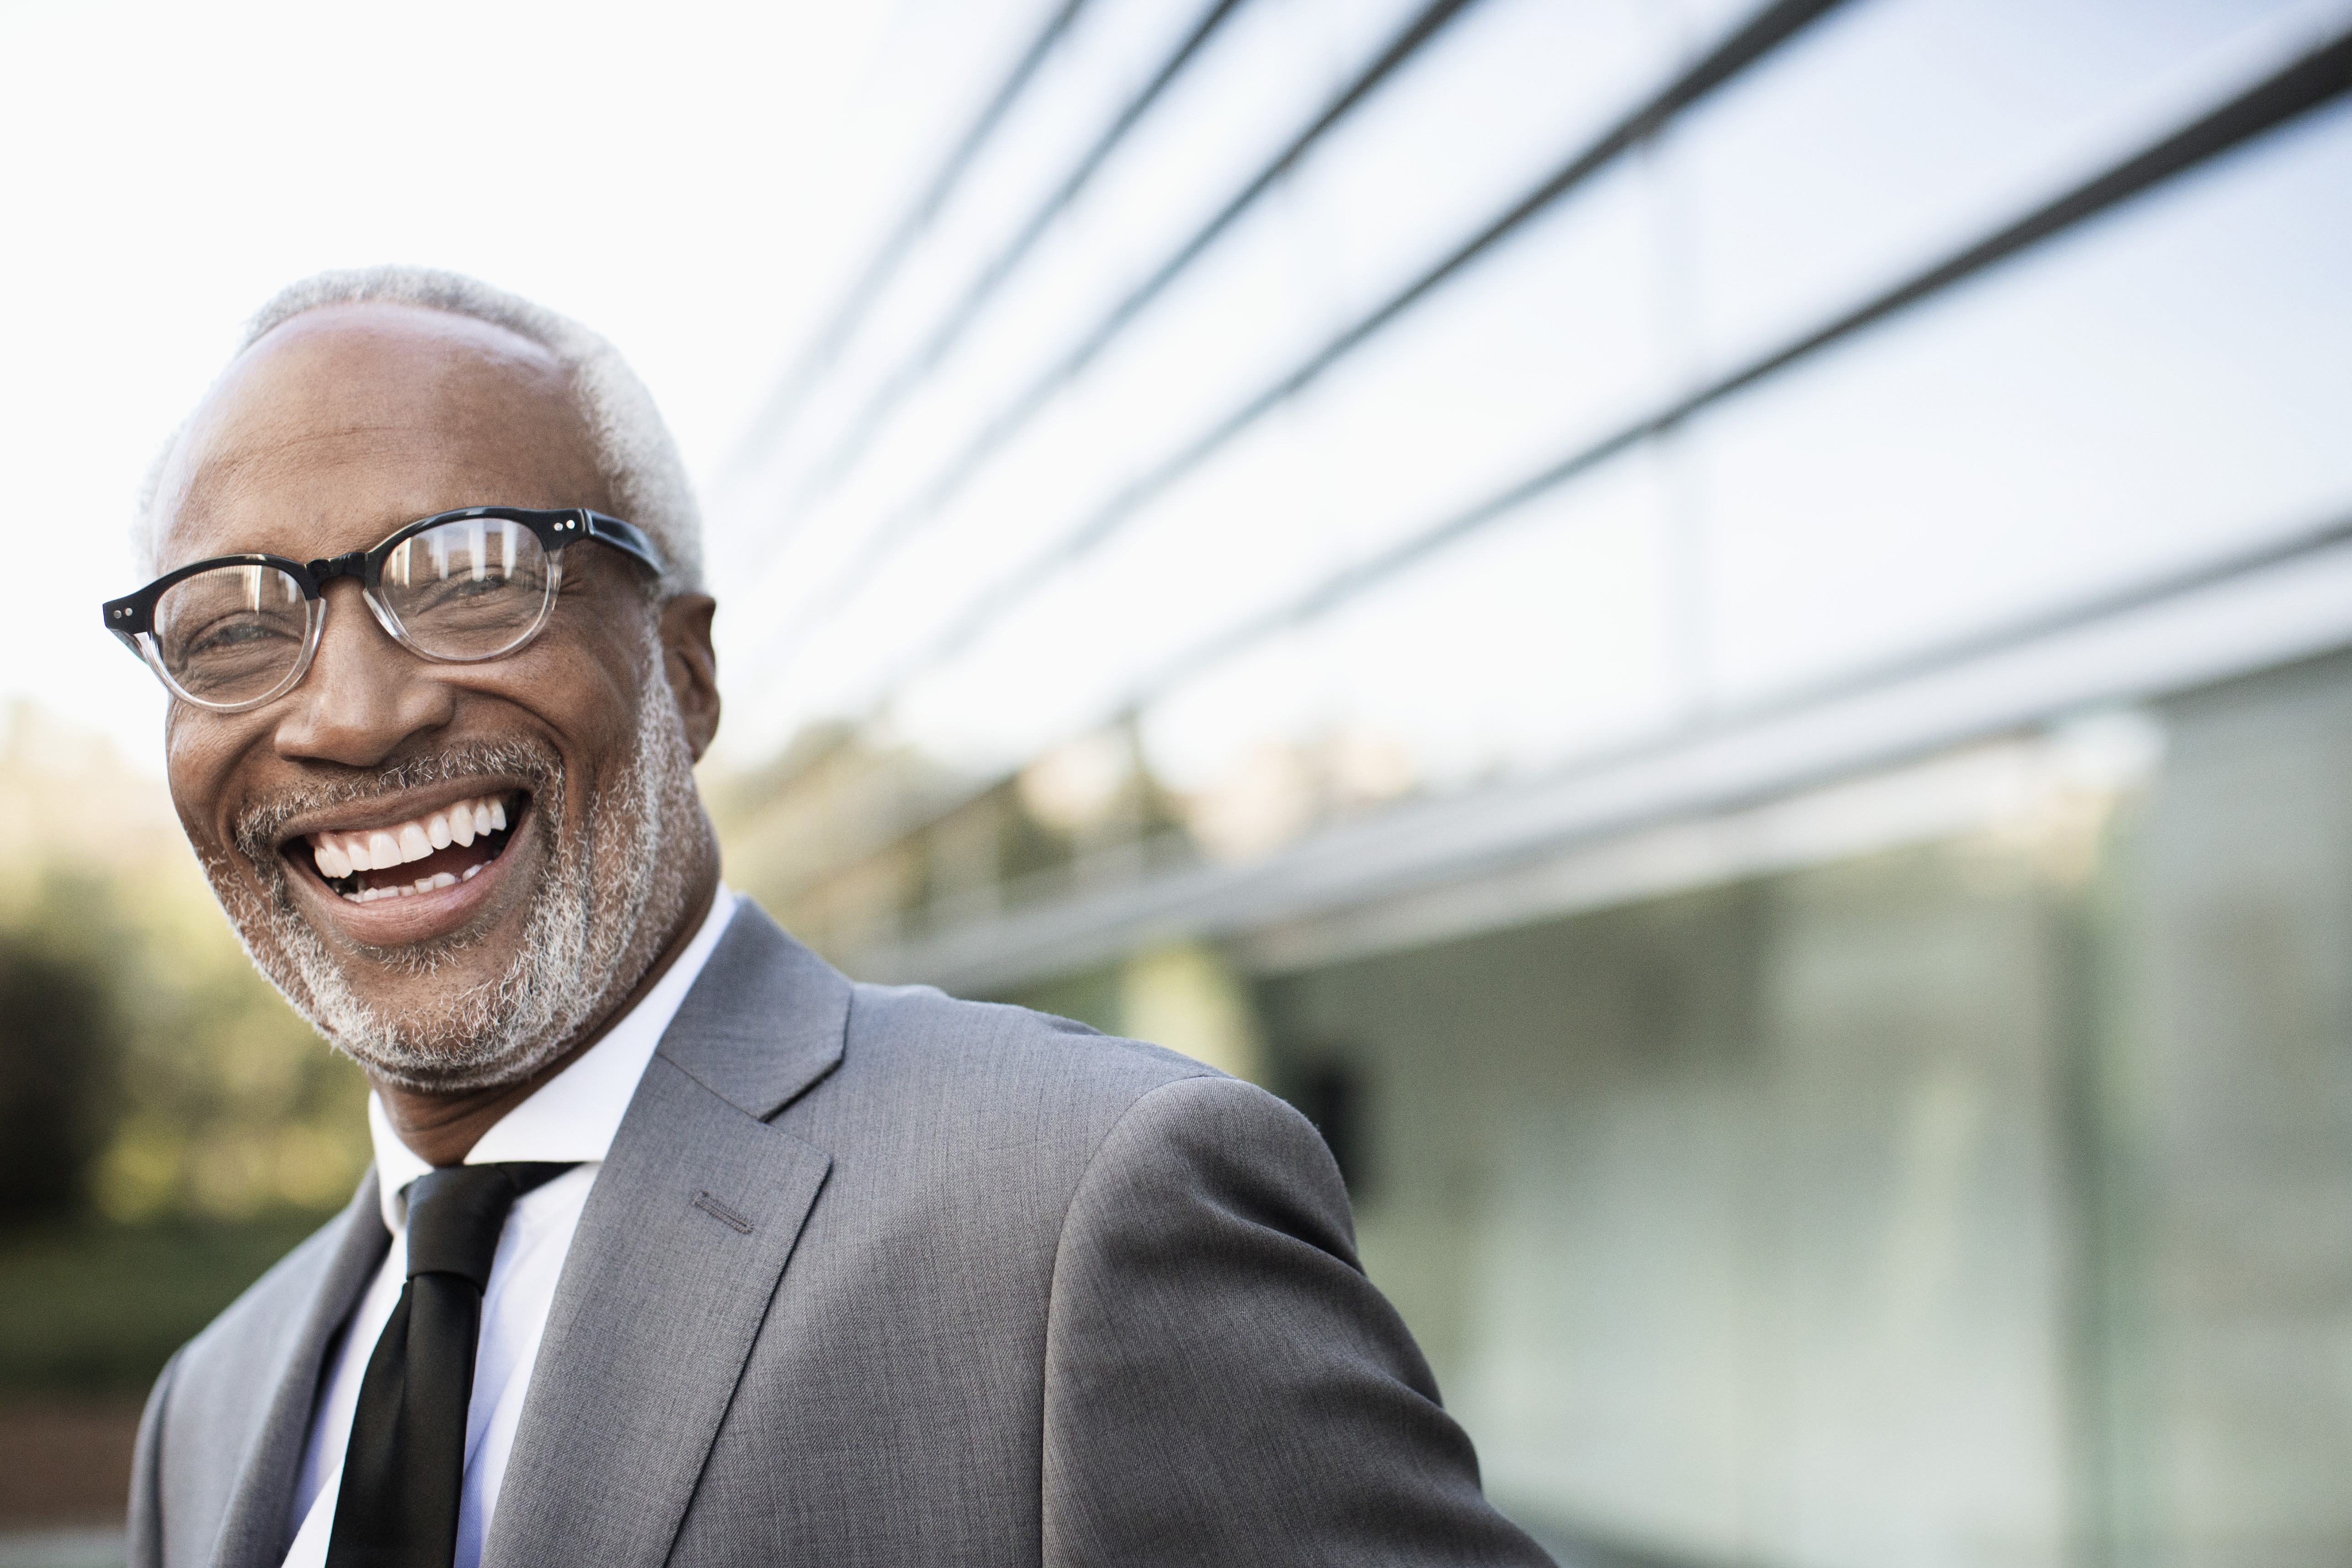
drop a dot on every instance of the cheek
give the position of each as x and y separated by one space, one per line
199 760
603 749
589 685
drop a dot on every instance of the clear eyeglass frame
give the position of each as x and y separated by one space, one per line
133 618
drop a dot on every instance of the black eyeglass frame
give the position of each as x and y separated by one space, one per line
133 617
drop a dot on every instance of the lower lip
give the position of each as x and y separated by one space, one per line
419 917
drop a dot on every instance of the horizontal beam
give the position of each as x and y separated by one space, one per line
1767 31
909 521
2317 78
870 418
773 421
2287 601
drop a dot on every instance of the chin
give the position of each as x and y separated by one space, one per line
392 960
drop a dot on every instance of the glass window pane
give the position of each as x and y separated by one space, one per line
2170 382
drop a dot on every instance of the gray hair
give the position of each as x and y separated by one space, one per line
634 451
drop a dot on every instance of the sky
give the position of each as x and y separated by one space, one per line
702 184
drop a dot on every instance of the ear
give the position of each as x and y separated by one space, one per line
691 666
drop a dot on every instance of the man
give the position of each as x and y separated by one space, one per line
677 1246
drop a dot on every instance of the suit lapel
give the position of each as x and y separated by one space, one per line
255 1530
764 1020
678 1252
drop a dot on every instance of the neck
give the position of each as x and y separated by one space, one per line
442 1126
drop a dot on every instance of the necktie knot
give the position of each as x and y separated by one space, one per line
455 1214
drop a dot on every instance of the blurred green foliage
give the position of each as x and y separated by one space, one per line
168 1126
97 1309
228 1106
58 1073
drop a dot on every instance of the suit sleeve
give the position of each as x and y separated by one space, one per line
1223 1384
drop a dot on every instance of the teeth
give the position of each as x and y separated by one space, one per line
444 879
339 855
470 872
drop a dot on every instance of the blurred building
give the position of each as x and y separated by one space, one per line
1722 638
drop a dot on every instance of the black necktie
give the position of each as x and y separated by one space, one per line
406 1463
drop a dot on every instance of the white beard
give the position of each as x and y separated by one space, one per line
612 894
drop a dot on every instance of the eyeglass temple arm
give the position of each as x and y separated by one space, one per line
624 536
126 618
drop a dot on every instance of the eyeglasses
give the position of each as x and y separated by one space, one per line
459 587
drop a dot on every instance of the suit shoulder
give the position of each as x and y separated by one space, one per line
982 1074
954 1040
251 1327
222 1379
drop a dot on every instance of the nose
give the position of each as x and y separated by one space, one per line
364 698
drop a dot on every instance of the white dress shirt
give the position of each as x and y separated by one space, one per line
572 1116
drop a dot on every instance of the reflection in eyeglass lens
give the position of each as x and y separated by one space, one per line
467 589
232 633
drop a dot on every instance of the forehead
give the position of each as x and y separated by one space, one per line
348 421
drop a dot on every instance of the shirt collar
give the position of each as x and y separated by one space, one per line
572 1116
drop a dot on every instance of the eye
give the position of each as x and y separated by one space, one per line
431 596
225 634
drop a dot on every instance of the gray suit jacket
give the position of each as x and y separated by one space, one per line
876 1276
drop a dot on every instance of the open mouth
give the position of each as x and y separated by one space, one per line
438 849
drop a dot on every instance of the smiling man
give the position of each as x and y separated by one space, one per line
677 1246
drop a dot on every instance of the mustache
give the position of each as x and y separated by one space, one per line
259 827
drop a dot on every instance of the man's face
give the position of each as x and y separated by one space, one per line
332 432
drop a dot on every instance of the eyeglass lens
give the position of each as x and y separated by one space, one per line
465 590
469 589
232 634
